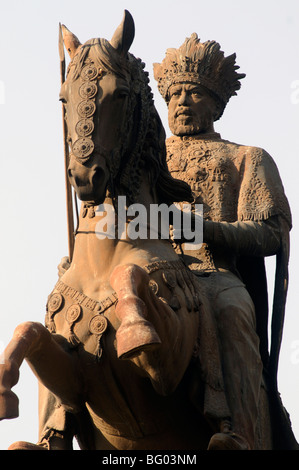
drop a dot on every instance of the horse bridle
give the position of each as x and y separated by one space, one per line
84 147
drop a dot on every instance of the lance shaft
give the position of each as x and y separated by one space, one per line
69 201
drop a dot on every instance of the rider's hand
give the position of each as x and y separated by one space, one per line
63 266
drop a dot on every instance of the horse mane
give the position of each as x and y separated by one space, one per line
146 153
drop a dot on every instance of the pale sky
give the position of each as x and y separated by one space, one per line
265 36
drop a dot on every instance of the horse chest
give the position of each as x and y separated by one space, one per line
80 319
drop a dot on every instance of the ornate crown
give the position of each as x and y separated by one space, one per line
202 63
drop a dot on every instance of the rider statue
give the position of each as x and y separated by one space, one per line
246 217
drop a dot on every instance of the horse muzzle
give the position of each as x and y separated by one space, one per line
89 181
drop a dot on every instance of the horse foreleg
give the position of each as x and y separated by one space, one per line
152 335
135 333
52 365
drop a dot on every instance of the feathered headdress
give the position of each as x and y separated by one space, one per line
201 63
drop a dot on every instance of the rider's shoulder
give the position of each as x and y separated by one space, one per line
248 151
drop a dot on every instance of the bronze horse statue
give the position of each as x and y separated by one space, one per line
130 346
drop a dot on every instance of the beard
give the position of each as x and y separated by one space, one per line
189 125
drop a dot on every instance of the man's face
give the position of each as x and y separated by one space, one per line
191 109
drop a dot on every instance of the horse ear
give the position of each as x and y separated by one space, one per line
71 41
123 37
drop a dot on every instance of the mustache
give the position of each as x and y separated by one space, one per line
183 110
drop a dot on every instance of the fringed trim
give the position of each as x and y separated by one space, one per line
73 339
50 323
257 216
99 352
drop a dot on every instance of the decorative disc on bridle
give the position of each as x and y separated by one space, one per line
83 148
88 90
86 108
89 72
84 127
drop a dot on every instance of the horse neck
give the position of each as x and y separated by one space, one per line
96 255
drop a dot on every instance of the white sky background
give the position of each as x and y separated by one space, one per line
33 236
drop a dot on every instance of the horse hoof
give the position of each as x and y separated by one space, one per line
227 441
135 334
136 338
9 405
23 445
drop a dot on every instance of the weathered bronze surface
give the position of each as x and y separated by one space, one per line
146 345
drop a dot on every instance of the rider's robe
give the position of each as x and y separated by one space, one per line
246 217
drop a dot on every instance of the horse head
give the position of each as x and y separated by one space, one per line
114 131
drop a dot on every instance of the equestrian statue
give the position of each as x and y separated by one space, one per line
149 343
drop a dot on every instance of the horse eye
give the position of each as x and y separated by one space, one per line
62 94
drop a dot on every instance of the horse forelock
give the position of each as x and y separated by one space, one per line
103 54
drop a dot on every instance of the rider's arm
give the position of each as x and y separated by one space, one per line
244 238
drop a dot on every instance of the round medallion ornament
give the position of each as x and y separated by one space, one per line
55 302
88 90
89 72
83 148
98 324
73 313
86 108
84 127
